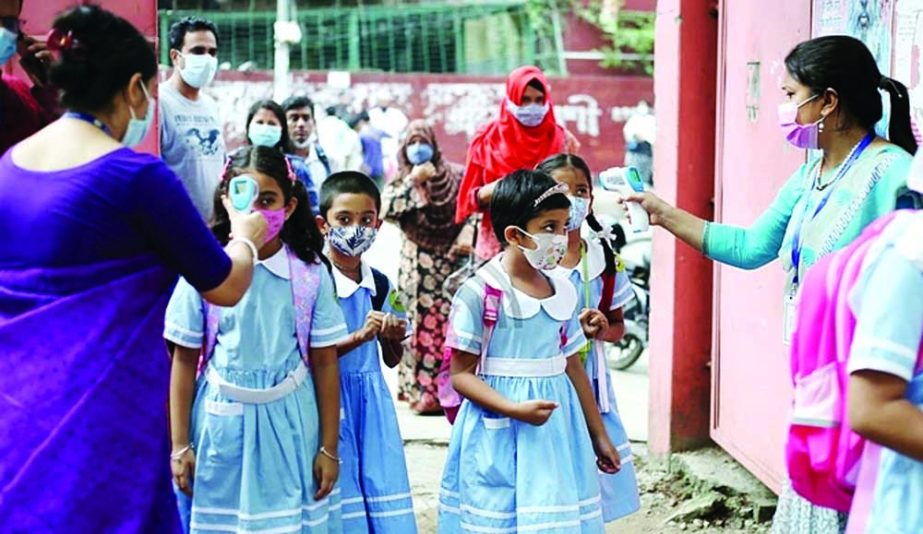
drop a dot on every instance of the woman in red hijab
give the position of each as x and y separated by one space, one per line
523 135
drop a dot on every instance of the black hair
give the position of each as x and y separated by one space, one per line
513 201
298 102
284 144
362 116
103 53
574 162
186 25
300 231
344 182
846 65
534 83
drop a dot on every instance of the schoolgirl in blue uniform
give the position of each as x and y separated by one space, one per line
376 490
521 456
255 442
600 280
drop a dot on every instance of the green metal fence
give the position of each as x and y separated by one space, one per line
483 38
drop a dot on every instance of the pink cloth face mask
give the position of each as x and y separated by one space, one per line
799 135
275 220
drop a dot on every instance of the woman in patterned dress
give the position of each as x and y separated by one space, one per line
421 200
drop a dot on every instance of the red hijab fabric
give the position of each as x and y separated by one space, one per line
504 145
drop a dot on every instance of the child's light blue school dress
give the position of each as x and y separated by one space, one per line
373 477
503 475
888 304
619 491
255 462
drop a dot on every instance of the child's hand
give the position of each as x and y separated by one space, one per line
373 324
607 456
183 469
393 328
326 472
593 322
534 412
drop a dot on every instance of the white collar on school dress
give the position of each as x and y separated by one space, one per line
346 286
560 306
595 262
277 264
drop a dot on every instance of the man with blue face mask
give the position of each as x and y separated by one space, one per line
191 141
23 110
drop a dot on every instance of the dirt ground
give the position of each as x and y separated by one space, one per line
662 495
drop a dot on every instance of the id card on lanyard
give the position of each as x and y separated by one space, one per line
791 300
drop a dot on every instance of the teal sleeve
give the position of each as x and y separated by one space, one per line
753 247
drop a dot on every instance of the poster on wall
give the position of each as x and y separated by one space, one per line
870 21
908 60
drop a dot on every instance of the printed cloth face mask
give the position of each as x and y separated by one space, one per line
550 249
352 240
579 208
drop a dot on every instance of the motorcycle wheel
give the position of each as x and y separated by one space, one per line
625 353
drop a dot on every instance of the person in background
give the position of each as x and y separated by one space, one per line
372 139
385 117
23 110
266 126
421 200
191 142
640 132
524 134
302 130
831 103
95 235
341 142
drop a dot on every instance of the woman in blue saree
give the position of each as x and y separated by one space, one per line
94 235
833 103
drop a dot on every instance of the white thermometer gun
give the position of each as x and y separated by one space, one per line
242 191
627 181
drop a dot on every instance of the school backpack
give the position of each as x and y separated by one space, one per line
305 283
381 289
449 399
822 452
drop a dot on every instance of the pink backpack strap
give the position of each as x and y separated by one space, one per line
305 286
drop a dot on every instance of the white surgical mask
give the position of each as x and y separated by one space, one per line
138 128
264 134
550 249
530 115
199 69
579 208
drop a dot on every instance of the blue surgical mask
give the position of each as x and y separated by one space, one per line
579 208
138 128
7 45
264 134
419 153
530 115
199 69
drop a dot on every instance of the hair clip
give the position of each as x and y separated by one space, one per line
291 170
557 189
59 41
224 171
886 82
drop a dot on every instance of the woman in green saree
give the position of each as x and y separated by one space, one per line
833 105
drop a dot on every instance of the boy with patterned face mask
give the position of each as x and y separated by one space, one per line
376 491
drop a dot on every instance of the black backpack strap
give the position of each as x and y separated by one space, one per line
322 156
382 286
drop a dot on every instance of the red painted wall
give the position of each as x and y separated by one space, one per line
594 108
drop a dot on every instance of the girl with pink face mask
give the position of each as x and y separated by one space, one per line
255 431
831 102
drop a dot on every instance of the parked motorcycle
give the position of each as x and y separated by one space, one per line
635 250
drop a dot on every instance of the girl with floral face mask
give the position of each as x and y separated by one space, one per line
270 382
830 101
515 341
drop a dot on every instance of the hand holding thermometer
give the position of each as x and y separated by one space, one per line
627 181
242 191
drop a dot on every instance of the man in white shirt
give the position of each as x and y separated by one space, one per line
191 140
302 130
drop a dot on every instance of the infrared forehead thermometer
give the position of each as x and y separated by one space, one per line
626 181
242 191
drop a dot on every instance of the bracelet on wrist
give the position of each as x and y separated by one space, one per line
249 244
179 454
337 459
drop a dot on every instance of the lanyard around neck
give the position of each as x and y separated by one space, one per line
585 350
86 117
